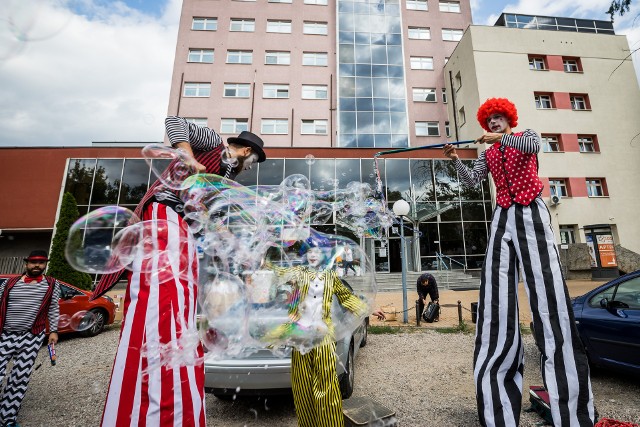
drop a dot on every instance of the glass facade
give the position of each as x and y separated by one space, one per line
452 219
555 24
372 104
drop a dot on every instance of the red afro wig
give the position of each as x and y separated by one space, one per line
497 106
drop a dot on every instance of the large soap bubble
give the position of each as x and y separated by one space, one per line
90 247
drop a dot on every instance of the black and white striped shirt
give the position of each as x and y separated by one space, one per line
25 300
528 142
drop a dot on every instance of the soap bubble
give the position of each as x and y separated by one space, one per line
91 247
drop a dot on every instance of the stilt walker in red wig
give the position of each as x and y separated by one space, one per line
147 388
521 238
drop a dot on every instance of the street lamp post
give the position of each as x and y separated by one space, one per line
401 208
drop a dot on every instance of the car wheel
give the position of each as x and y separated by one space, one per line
365 333
97 326
346 382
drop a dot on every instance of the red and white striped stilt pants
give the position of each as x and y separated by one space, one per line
157 311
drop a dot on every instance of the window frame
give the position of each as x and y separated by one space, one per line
202 54
250 23
317 2
237 89
558 183
277 89
419 60
275 126
418 5
596 183
316 56
547 140
593 142
454 33
280 23
427 91
566 60
241 54
324 26
534 60
419 31
199 86
429 126
540 104
238 125
579 100
278 55
206 19
315 89
448 4
316 125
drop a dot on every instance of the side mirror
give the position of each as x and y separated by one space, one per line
604 303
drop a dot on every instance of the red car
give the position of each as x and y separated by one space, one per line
99 312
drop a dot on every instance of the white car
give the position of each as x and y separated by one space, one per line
263 373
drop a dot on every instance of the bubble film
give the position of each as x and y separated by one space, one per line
261 260
91 247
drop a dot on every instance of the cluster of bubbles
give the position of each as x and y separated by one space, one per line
80 321
254 245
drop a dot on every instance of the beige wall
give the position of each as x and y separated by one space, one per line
493 62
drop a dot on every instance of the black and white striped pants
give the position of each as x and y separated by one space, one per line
23 348
521 236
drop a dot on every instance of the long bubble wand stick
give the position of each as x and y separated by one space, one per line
423 147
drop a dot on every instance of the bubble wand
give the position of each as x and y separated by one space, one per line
402 150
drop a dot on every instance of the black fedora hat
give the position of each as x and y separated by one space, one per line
37 255
251 140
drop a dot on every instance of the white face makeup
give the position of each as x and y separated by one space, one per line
249 161
497 123
315 257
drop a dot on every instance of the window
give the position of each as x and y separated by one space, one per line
421 63
237 90
278 26
450 6
550 144
587 144
571 65
449 34
423 94
462 116
319 28
275 126
567 234
280 1
444 95
275 91
318 2
204 56
417 5
314 127
197 90
537 63
447 129
200 121
234 125
419 33
595 187
558 187
204 24
579 102
239 57
543 102
314 92
318 59
458 81
427 129
245 25
277 58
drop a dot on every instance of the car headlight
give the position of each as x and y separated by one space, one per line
108 298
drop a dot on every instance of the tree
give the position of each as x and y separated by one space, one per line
618 6
58 265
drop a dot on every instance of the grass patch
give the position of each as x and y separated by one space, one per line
463 327
377 330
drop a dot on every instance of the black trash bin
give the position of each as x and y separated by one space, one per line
474 312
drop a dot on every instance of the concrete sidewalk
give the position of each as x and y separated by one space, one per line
392 301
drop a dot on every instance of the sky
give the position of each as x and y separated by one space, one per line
77 71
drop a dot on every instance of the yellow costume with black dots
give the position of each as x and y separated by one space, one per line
316 391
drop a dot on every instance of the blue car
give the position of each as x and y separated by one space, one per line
608 319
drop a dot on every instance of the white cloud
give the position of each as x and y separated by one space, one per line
71 78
